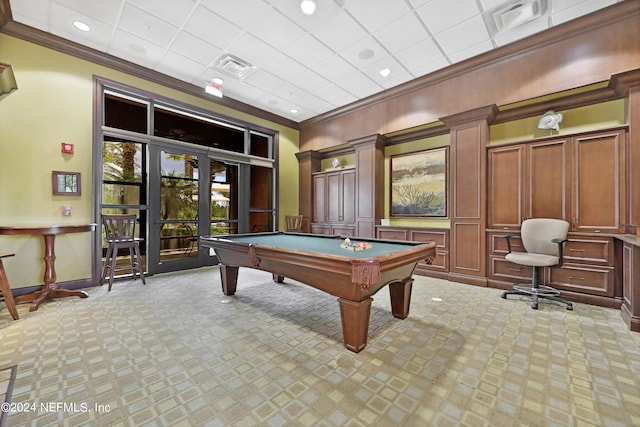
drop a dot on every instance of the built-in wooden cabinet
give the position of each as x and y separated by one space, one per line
439 266
631 283
587 273
580 179
334 202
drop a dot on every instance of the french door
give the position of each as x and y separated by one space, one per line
190 195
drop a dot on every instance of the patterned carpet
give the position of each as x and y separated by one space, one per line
171 353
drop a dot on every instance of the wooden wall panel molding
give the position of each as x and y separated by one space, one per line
369 183
308 163
468 170
629 85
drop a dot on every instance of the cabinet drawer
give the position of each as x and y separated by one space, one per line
585 250
320 229
500 268
439 237
344 230
579 278
392 234
498 244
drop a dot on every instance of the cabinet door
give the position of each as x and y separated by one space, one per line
349 196
548 180
319 198
599 189
505 186
334 197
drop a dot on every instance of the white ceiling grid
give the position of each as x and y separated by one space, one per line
312 64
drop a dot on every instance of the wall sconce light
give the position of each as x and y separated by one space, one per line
7 79
550 120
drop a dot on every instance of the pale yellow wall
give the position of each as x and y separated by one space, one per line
591 117
54 103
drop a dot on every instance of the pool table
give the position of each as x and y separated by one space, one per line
319 261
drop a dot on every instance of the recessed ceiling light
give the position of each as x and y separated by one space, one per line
385 72
308 7
294 111
81 26
217 80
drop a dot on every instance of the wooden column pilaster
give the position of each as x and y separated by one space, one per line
468 191
369 183
308 163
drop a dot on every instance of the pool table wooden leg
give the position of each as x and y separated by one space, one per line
400 293
355 323
229 278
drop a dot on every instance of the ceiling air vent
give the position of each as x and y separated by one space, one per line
233 66
514 14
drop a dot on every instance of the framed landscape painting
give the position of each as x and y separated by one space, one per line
419 184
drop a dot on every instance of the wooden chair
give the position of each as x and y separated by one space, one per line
7 296
293 223
120 232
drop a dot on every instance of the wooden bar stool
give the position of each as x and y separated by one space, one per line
7 296
120 232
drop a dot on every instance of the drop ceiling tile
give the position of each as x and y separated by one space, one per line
135 49
195 48
354 52
418 54
283 66
358 85
244 13
174 11
579 10
398 73
105 11
309 81
335 95
212 28
147 26
375 14
33 13
474 50
309 50
334 68
438 16
462 36
401 33
276 30
62 19
339 31
179 66
264 80
251 49
430 67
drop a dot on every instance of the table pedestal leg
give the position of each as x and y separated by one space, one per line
229 278
355 322
50 290
400 293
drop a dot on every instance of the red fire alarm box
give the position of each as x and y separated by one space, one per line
67 148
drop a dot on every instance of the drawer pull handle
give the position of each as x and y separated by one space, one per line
576 278
519 269
576 250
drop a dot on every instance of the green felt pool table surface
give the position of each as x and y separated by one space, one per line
322 244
